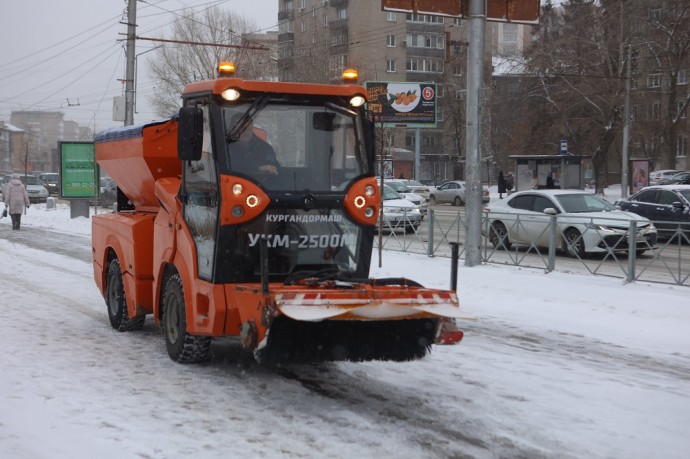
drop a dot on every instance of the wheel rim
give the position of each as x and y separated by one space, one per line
498 235
113 287
172 321
574 243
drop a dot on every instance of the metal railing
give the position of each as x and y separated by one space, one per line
630 256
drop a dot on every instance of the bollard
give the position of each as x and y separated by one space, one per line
454 257
50 204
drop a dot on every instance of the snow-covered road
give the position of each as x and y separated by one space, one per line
554 365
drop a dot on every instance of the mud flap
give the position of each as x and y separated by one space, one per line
449 333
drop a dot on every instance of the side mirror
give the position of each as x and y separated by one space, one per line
190 133
550 211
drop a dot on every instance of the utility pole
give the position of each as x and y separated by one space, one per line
626 126
473 182
129 72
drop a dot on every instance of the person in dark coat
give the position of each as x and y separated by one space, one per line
509 183
501 185
549 181
16 198
251 154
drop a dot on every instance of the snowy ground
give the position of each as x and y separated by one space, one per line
554 365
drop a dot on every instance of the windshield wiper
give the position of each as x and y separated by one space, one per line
247 118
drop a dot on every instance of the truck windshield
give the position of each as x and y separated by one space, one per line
294 147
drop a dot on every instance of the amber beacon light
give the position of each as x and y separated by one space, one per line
226 69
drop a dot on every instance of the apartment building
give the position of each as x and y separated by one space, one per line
46 129
318 39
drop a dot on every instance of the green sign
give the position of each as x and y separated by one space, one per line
77 170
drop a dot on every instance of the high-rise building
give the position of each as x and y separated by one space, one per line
318 39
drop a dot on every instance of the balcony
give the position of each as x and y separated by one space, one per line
338 24
286 15
339 3
287 36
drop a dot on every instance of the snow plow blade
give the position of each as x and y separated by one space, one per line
359 323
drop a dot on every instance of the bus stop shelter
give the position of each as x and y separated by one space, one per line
568 171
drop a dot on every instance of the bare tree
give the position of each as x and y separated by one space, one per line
176 65
662 50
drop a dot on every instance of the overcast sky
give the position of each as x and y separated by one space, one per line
66 55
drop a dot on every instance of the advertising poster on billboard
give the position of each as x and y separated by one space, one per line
397 103
77 170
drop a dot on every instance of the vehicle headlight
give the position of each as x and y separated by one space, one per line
603 228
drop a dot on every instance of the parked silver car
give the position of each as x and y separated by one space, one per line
586 223
657 176
36 191
453 192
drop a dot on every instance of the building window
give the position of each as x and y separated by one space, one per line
341 13
325 20
339 39
392 17
682 77
682 146
302 26
681 113
390 65
429 141
457 22
409 140
424 65
285 26
437 41
414 17
390 41
337 65
655 111
288 5
654 80
302 4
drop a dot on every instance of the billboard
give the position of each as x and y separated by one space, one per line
77 170
521 11
396 103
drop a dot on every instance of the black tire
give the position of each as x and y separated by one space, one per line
117 302
574 244
457 201
498 236
182 347
432 200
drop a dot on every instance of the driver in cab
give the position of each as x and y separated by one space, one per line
250 154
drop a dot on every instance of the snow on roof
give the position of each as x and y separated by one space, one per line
10 127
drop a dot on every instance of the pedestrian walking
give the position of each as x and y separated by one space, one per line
16 199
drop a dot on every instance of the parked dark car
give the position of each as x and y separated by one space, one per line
51 181
668 206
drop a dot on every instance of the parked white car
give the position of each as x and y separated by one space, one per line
404 191
399 213
418 187
586 223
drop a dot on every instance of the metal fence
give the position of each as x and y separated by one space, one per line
630 257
